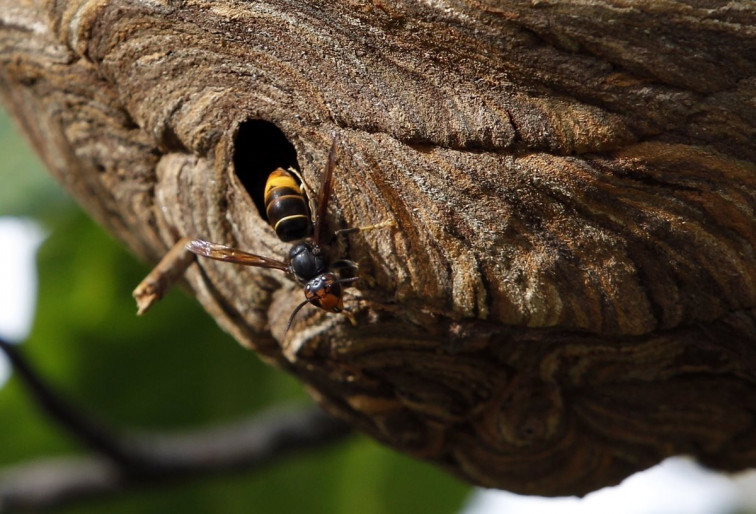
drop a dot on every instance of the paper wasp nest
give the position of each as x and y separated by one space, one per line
568 293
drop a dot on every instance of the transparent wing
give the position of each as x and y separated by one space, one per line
228 254
324 193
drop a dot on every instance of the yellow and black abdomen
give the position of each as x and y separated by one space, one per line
286 206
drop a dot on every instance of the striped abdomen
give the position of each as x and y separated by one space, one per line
286 206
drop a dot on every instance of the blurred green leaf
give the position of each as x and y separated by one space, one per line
26 186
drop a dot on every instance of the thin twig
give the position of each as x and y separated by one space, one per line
170 269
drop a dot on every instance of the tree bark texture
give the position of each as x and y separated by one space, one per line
569 292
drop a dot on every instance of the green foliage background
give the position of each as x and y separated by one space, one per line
170 369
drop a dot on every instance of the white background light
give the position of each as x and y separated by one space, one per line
19 240
676 486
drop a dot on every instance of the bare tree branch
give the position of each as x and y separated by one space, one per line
249 444
130 459
91 433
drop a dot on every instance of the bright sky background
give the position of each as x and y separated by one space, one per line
676 486
19 240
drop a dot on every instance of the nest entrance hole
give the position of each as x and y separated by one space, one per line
261 147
